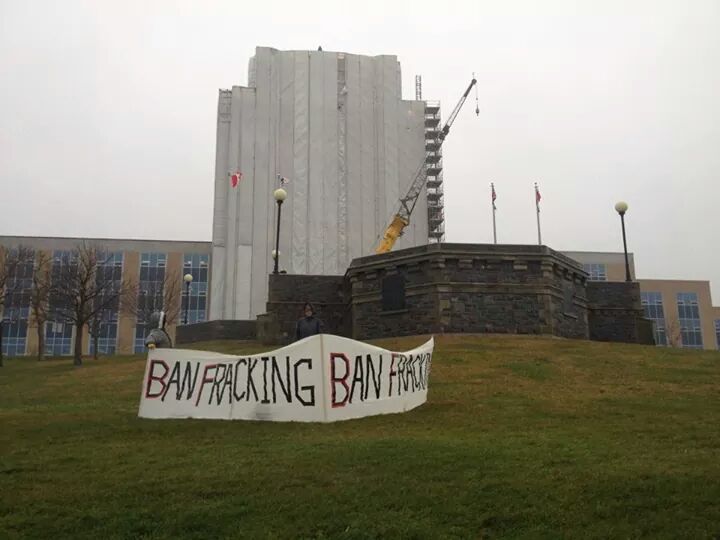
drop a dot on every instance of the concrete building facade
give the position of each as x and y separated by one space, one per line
336 127
144 262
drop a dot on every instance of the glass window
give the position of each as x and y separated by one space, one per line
596 272
16 311
197 265
653 306
689 314
717 332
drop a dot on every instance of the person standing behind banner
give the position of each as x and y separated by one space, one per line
309 325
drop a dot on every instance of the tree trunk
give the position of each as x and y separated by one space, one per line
96 339
41 342
78 345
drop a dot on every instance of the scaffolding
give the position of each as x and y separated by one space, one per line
433 170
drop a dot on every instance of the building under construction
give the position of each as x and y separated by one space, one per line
336 127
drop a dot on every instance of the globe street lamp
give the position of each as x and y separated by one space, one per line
280 194
187 278
621 208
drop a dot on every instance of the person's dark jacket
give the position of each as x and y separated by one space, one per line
308 326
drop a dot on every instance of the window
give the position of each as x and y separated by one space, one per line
717 332
596 272
14 331
58 338
689 314
107 338
105 323
653 305
140 334
16 311
151 295
198 265
59 334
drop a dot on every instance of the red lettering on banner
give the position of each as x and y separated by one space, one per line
205 380
152 377
342 380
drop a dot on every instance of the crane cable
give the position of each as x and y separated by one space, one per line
477 101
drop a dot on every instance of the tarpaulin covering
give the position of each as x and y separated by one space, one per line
335 125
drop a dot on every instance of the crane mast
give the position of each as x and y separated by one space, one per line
408 202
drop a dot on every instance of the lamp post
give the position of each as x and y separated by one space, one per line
621 208
187 278
280 194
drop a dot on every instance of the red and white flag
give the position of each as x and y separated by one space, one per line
537 195
235 178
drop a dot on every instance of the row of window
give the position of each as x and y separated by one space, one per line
59 336
689 332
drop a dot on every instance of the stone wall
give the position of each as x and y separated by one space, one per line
470 288
287 296
460 288
615 312
214 330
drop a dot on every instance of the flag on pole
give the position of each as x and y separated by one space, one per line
235 178
494 196
537 211
282 180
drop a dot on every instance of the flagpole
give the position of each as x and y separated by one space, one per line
494 209
537 210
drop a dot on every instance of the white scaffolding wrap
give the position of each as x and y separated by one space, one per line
336 127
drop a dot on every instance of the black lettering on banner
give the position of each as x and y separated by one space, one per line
393 372
376 377
402 379
215 388
421 372
428 363
252 364
152 377
265 360
238 397
189 381
413 365
174 379
227 385
285 388
358 377
205 380
309 388
334 379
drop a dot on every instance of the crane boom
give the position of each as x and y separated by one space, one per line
407 203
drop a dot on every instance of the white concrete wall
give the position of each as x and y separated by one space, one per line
336 126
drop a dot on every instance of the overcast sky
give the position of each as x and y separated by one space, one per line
108 114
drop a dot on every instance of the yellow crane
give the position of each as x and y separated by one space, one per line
408 202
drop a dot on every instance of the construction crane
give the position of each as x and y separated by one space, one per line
408 202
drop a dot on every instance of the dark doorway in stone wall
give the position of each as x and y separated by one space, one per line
393 292
568 304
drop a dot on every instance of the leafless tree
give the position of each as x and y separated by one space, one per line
84 284
160 295
40 297
673 333
14 275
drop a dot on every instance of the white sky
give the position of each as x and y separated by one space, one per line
108 114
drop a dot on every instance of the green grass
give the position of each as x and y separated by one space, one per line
521 437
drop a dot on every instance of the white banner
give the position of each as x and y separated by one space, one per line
322 378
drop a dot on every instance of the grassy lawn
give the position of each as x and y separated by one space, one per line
521 437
